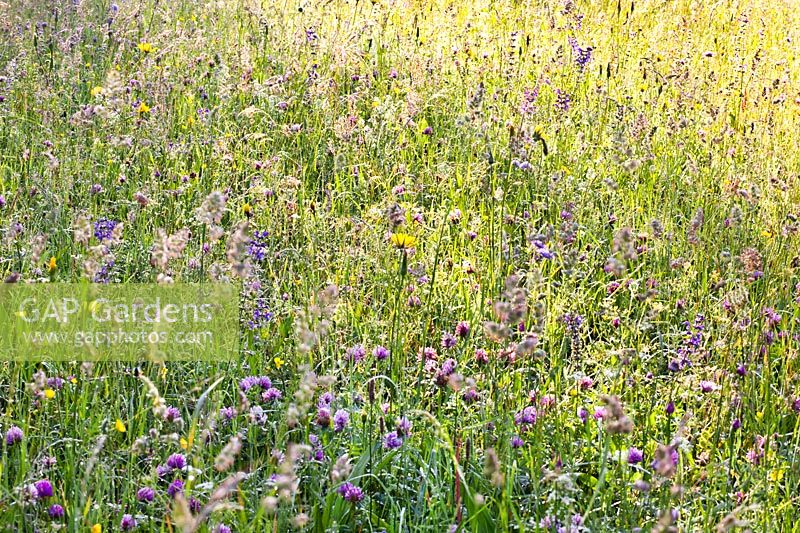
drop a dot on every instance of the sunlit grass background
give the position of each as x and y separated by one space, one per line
633 166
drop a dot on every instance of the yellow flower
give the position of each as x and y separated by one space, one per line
247 209
403 241
97 528
49 394
143 108
96 91
184 443
278 362
145 47
538 133
51 265
120 426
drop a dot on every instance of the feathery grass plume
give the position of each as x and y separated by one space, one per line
236 250
159 406
168 247
228 454
492 468
616 421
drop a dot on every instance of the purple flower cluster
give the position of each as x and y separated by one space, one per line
104 229
350 492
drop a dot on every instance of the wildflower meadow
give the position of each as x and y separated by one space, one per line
499 265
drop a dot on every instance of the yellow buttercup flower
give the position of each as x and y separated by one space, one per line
145 47
49 394
120 426
143 108
184 443
278 362
51 265
97 528
96 91
403 241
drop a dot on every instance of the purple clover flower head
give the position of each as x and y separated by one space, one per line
176 461
44 489
55 511
271 394
174 488
670 408
222 528
462 329
227 413
350 492
356 353
145 494
340 420
392 441
635 456
526 417
104 229
403 426
448 340
325 399
13 435
172 414
707 386
323 417
583 414
517 442
128 523
380 353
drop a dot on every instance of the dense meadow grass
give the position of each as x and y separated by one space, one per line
526 266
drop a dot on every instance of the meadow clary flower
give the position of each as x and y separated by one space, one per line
104 229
